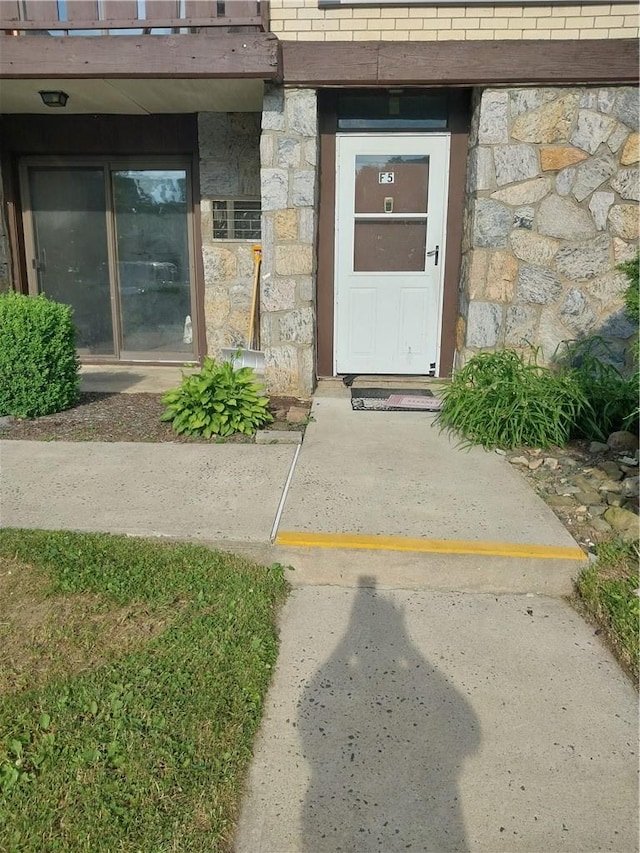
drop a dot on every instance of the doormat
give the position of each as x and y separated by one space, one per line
394 400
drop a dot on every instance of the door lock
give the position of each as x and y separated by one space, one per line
435 254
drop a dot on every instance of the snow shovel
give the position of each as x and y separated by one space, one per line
250 357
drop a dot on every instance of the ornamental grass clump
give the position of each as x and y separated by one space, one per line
38 361
218 400
612 396
499 399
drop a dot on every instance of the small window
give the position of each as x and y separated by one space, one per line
237 219
392 110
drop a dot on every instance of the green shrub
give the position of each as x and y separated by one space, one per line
500 400
219 400
38 360
612 397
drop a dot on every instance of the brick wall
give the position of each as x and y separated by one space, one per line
302 20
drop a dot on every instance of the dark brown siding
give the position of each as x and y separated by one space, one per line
460 63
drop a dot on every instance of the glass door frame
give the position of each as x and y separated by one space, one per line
108 165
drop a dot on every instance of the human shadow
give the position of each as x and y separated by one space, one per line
385 735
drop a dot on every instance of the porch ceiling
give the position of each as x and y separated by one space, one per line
134 96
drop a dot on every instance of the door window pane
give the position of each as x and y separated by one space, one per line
71 258
389 245
150 208
391 183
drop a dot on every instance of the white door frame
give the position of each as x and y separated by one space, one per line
344 199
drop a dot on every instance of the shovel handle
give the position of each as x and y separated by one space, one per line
257 260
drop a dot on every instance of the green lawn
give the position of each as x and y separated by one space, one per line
132 679
608 588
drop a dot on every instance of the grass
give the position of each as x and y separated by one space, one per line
608 589
500 399
134 675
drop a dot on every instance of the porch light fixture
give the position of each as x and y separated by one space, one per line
54 98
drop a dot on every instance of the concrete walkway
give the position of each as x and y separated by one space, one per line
441 698
225 493
376 485
428 721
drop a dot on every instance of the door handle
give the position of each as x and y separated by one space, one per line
40 263
435 252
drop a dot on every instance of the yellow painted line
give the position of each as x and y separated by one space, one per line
426 546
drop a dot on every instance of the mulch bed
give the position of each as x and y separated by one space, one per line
129 417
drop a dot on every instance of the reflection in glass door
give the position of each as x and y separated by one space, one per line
114 244
152 247
70 259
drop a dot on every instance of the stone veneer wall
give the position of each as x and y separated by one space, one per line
229 146
288 154
552 207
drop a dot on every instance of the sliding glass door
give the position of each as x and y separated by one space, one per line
113 241
69 253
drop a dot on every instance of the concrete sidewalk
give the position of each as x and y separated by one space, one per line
374 485
223 493
435 722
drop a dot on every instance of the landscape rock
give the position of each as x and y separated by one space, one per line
611 469
597 510
622 520
598 447
590 497
519 460
630 487
551 462
615 499
613 487
600 525
560 500
622 440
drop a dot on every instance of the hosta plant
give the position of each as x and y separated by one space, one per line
218 400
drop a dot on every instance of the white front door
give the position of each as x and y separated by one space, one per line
391 203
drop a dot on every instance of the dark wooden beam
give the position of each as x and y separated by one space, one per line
221 55
460 63
128 24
